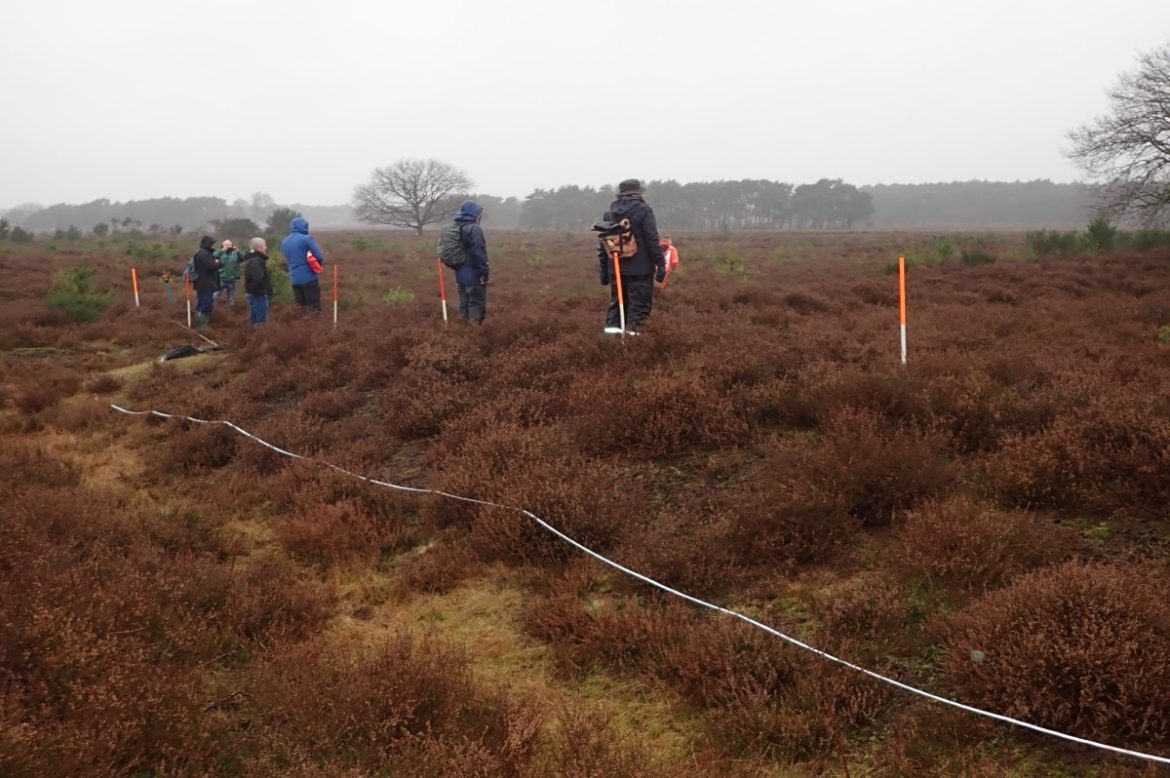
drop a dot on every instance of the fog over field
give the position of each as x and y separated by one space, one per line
131 99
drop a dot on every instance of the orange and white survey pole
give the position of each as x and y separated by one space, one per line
134 281
187 286
442 290
902 302
617 280
335 296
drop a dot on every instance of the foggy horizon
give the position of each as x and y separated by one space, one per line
130 100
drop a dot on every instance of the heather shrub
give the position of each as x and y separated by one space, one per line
194 448
867 615
663 415
437 569
1082 648
1108 456
325 534
103 384
368 705
970 545
874 470
533 469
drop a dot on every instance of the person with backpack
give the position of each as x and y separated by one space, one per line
297 247
257 281
463 248
204 273
229 274
640 259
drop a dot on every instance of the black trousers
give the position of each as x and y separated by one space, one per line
473 303
638 293
308 295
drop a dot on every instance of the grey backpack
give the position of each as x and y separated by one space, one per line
451 246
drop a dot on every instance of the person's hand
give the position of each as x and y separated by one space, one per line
483 281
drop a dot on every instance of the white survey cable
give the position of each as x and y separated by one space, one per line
682 595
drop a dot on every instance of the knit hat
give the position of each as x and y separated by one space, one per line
631 186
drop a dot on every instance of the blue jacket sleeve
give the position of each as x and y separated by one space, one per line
313 247
476 249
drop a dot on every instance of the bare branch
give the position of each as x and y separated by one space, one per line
1128 150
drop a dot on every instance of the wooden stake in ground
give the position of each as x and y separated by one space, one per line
335 296
187 286
134 281
442 290
902 302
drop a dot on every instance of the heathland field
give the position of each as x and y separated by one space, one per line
988 522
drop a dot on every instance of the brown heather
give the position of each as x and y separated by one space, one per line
177 600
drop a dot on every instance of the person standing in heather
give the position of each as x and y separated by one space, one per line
206 282
472 276
229 274
257 281
638 272
296 247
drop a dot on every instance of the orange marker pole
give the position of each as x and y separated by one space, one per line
902 301
134 280
187 285
335 293
442 290
617 279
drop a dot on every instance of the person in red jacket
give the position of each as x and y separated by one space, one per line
670 254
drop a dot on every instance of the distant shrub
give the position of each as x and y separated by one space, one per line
19 234
359 244
397 296
1143 240
945 247
728 264
1100 234
1081 648
976 257
74 296
1050 243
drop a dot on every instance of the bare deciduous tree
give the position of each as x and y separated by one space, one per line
1128 150
410 193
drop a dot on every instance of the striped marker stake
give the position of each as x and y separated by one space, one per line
617 280
335 293
187 286
134 280
902 302
442 290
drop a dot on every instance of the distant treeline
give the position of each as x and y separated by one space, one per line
747 204
982 204
168 214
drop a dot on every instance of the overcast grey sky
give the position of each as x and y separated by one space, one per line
130 99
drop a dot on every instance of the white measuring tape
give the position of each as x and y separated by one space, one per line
682 595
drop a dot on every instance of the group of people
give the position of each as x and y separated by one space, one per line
216 272
638 274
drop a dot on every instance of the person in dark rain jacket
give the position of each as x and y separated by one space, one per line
206 284
257 281
472 275
638 272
